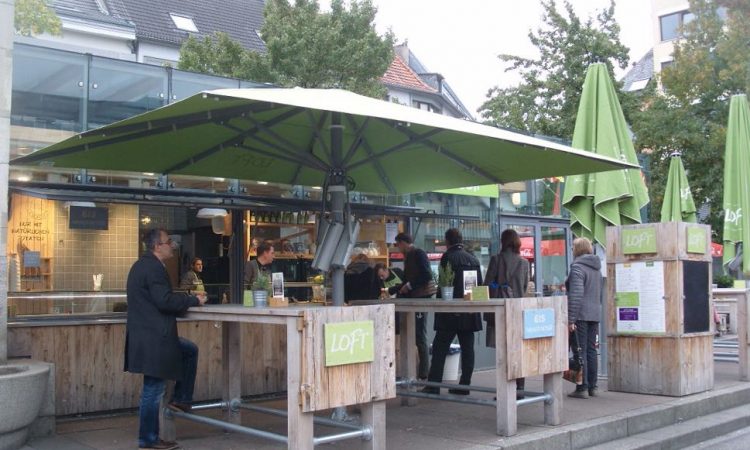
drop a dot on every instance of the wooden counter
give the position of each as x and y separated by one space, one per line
516 357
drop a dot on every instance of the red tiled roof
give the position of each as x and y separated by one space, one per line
400 74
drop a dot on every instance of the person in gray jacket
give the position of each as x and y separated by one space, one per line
584 285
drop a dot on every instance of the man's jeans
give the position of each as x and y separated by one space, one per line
153 391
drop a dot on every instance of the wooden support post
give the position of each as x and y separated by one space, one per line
373 415
299 423
553 385
506 389
231 355
743 349
408 355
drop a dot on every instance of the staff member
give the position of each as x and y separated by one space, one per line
152 346
191 280
260 264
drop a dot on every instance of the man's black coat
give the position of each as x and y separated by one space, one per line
151 343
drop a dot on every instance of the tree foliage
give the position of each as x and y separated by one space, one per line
305 47
34 17
711 63
546 100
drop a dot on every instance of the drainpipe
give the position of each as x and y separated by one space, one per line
7 8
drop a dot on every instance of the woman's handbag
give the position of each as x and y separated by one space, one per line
574 374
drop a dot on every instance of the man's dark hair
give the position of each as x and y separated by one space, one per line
263 247
453 236
379 266
404 237
153 238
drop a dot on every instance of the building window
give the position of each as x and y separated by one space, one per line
665 64
426 106
671 24
184 23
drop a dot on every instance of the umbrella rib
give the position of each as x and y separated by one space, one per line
357 138
317 136
236 140
311 160
418 138
451 155
370 153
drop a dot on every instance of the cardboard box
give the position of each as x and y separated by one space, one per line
278 302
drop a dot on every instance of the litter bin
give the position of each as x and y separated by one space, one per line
450 369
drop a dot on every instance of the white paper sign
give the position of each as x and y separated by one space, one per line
470 280
277 282
639 297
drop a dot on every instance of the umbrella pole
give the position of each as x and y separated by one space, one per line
338 198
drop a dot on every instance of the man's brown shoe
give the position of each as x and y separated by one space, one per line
161 445
180 407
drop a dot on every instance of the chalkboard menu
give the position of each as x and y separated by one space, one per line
696 295
87 218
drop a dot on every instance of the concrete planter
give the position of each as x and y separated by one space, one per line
22 385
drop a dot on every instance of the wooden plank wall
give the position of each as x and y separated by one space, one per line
328 387
89 360
674 366
674 363
527 357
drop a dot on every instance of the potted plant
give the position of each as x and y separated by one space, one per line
260 287
445 281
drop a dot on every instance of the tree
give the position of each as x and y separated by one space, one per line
33 17
546 100
711 63
306 48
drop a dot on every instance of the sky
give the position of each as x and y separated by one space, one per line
461 39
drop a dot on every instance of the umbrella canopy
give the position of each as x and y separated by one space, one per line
299 136
598 200
678 205
737 180
318 137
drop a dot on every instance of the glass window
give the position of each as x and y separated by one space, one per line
183 23
48 88
554 261
670 24
121 89
185 84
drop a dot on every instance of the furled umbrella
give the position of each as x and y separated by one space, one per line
318 137
678 205
737 184
598 200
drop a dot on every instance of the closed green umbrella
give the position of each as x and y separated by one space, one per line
737 180
598 200
678 205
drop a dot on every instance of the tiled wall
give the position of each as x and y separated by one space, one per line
78 254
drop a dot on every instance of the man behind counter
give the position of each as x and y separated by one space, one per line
260 264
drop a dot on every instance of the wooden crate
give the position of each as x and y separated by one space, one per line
679 360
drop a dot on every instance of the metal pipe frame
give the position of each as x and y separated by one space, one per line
531 397
725 359
726 354
365 433
726 345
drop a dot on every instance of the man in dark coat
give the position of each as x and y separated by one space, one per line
450 325
152 346
418 283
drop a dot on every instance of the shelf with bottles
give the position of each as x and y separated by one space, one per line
281 219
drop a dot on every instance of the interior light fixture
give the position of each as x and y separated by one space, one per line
515 198
210 213
80 204
263 182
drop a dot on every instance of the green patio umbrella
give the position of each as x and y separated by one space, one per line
318 137
598 200
678 205
737 181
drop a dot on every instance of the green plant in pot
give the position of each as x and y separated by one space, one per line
724 281
261 288
445 279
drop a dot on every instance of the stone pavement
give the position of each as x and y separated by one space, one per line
430 425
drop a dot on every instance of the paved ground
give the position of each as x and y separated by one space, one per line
431 425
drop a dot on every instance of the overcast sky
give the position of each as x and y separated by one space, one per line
461 39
